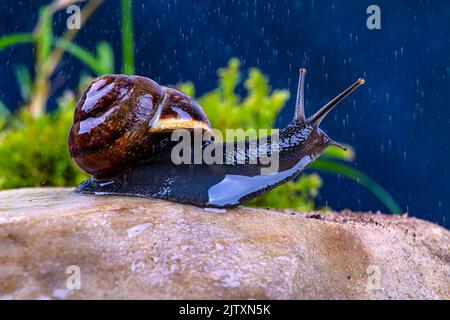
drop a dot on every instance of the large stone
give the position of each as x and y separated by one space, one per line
132 248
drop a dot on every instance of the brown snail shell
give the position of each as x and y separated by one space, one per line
120 120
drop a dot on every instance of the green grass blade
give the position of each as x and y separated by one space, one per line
126 15
337 153
83 55
4 111
7 120
23 80
44 38
105 56
15 39
356 175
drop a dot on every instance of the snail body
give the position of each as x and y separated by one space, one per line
122 131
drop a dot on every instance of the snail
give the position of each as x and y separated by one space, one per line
122 135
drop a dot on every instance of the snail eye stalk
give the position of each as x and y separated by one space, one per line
317 118
300 102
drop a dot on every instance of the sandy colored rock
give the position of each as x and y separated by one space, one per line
132 248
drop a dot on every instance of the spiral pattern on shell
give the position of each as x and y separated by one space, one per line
122 120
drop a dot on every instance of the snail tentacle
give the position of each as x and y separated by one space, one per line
300 102
317 118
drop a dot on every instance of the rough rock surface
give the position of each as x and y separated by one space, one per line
136 248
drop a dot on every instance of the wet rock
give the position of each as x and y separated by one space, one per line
55 244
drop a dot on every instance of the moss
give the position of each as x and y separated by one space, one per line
33 152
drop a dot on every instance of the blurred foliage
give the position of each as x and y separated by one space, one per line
226 109
33 151
126 32
33 144
102 62
35 86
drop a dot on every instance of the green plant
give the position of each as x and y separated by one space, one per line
126 15
49 50
102 62
26 156
33 151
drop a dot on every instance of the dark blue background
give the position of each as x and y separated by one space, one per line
398 123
